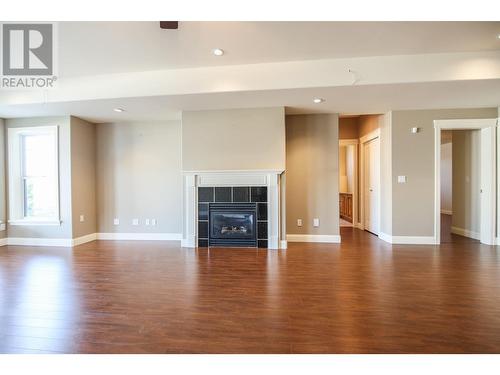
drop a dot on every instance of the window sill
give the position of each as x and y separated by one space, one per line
35 222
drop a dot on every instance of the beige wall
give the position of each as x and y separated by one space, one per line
83 177
139 176
233 139
312 173
50 231
466 180
413 156
385 124
3 191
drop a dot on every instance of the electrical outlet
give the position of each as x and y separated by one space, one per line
315 222
135 221
153 222
82 218
147 221
299 222
116 221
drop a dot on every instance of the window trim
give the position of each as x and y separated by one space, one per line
16 175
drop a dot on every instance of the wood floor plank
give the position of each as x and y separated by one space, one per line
361 296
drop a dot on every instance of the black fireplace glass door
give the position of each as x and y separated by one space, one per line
232 225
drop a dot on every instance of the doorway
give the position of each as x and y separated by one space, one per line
473 179
370 182
348 182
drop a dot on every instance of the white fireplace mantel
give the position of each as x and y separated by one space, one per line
195 179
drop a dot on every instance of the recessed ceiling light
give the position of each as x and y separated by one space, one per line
218 52
318 100
118 110
498 36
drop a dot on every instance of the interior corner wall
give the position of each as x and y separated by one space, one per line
48 231
139 177
385 125
413 156
83 177
348 128
312 183
233 139
3 195
368 124
446 178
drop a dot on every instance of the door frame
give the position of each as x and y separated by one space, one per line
355 143
362 141
463 124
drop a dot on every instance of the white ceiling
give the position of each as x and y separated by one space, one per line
93 48
398 65
346 100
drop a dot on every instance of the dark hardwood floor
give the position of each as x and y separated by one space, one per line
363 296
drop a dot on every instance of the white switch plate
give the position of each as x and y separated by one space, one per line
315 222
135 221
147 221
2 226
153 222
401 179
299 222
82 218
116 222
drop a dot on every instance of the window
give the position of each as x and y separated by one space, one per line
33 175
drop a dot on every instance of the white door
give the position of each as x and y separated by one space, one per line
371 185
487 186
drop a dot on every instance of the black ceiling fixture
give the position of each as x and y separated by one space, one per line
169 25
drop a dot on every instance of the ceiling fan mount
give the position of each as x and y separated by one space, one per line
169 25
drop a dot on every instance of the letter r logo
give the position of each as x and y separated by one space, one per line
27 49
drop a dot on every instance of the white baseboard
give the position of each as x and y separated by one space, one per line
446 212
283 244
465 233
70 242
140 236
326 238
385 237
84 239
31 241
407 240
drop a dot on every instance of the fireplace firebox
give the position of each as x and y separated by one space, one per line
233 224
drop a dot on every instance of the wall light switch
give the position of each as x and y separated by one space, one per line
2 226
153 222
299 222
315 222
401 179
82 218
116 221
147 221
135 221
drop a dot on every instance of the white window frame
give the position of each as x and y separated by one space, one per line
16 175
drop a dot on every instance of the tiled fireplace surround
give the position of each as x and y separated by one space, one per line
261 187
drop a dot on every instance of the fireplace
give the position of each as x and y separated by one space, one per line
208 195
233 216
232 224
